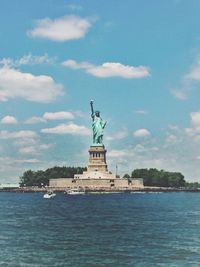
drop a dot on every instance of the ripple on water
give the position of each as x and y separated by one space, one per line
100 230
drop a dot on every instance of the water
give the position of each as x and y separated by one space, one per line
112 230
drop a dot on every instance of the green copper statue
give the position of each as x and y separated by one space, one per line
98 125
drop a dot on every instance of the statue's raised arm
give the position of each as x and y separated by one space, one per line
92 109
98 126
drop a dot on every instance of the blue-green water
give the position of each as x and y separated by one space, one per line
112 230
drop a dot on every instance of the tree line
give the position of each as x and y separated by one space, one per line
160 178
151 177
41 178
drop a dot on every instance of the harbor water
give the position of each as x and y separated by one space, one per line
100 230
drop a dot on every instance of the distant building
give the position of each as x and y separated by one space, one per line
9 186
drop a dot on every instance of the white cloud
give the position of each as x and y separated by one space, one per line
26 60
6 62
194 73
190 131
141 112
34 120
27 150
118 135
194 130
32 60
195 118
70 128
189 81
109 69
27 142
33 150
61 29
14 84
61 115
25 161
174 128
9 120
112 69
72 64
172 139
118 153
140 149
16 135
141 133
179 94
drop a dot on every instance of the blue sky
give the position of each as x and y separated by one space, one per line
138 60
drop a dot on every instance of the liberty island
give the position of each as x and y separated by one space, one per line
97 175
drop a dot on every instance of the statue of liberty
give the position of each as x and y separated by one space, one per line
98 125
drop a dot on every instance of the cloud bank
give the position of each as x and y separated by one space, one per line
9 120
189 81
61 29
28 59
61 115
17 84
109 69
26 134
141 133
70 128
47 116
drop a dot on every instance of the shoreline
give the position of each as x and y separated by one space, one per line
101 190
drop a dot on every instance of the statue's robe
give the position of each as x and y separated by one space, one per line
98 127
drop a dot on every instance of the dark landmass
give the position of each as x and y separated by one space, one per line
160 178
154 180
41 178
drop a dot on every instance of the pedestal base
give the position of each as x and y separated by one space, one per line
97 159
97 167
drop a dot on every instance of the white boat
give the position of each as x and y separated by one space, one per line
75 191
49 195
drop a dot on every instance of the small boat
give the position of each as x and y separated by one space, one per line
49 194
75 191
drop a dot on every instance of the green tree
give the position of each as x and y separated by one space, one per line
192 185
40 177
126 176
28 178
154 177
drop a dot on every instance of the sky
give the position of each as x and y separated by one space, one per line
138 60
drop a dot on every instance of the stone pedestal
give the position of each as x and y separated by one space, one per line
97 166
97 159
